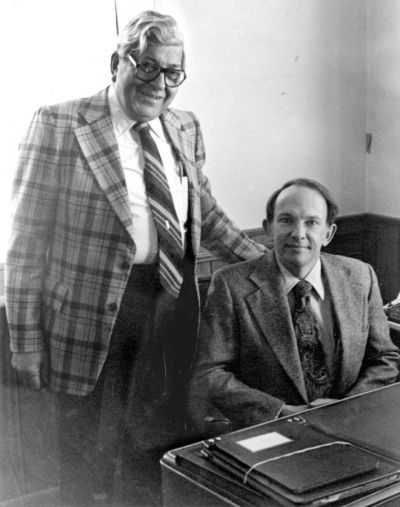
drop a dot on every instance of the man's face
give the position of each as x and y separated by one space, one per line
144 101
300 228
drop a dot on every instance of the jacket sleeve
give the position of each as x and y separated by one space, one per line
219 234
215 386
381 359
34 201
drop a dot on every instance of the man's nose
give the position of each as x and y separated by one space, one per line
299 230
159 81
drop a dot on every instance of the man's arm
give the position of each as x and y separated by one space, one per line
215 382
381 359
219 234
34 200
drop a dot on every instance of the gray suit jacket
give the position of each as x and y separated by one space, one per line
247 364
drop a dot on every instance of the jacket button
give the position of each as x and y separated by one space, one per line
113 307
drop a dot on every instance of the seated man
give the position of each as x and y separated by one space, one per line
295 328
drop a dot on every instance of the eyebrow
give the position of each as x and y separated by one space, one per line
289 214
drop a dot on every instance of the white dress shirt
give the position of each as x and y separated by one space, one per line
130 151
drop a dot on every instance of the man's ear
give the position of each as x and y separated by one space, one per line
329 234
114 65
269 233
267 228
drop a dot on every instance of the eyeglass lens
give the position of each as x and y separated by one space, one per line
148 71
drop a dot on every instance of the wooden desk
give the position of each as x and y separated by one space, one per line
371 420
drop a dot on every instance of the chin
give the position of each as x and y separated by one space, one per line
297 260
145 112
297 265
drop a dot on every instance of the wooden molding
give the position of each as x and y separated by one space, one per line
372 238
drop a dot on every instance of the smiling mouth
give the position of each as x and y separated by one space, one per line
153 96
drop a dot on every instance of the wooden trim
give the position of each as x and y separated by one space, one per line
372 238
383 247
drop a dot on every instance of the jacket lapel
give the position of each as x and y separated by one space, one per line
269 306
182 143
347 312
96 137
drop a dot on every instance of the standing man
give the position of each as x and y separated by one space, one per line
294 329
111 206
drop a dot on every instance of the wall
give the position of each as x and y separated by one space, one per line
280 89
384 106
51 51
279 86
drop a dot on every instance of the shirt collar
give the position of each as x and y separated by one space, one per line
122 123
314 277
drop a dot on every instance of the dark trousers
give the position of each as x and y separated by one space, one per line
112 439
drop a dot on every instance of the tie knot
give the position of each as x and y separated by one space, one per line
141 127
302 289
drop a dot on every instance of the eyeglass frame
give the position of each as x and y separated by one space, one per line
164 70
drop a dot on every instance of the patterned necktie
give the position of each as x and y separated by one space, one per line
164 214
316 375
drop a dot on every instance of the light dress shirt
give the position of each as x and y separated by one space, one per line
132 161
321 307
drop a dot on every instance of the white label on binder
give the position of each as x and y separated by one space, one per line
265 441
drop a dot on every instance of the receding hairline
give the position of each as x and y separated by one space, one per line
331 205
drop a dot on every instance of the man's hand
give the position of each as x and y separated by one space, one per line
32 368
292 409
319 402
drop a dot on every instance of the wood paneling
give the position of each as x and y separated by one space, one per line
371 238
350 237
383 244
374 239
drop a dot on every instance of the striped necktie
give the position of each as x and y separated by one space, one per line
315 372
164 214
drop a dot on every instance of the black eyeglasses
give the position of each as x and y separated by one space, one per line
148 71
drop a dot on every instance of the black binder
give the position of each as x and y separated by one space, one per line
347 453
306 466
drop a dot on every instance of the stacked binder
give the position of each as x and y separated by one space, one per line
343 454
296 463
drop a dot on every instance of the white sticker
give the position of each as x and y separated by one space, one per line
265 441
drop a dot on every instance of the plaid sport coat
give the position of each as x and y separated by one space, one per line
72 246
